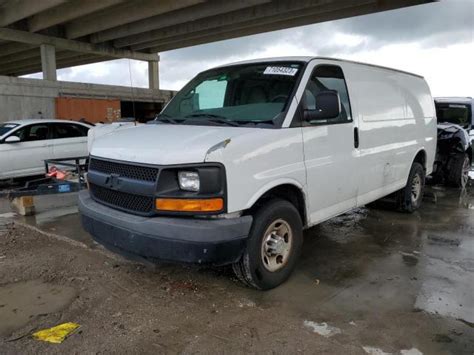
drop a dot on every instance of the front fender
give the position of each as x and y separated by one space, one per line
264 189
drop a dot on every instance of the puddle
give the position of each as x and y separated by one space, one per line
448 278
50 216
443 240
65 222
23 301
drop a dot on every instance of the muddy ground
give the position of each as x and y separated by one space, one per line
368 281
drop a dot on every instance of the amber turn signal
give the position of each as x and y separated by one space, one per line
189 205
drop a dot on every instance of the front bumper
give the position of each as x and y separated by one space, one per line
186 240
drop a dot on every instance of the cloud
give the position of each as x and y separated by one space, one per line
435 24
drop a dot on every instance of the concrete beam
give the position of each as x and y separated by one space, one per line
71 45
67 12
35 60
31 57
27 54
20 9
245 29
13 48
238 26
263 14
48 62
153 75
120 15
188 14
273 10
60 64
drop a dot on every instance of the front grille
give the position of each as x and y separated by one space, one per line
136 172
130 202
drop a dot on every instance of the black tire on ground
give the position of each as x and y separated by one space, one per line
458 174
253 269
409 198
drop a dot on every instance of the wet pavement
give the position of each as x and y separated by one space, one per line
370 281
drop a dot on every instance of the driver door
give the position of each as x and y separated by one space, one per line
26 158
330 149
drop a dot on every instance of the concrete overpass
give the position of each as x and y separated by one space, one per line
45 35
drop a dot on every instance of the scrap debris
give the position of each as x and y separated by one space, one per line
57 334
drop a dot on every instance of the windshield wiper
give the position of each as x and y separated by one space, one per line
214 118
165 118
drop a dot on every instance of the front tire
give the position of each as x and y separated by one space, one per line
273 247
409 198
458 174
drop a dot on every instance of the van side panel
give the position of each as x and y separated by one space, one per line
259 161
395 115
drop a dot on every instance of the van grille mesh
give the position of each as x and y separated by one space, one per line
136 172
130 202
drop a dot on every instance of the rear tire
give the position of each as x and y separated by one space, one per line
458 174
409 198
273 247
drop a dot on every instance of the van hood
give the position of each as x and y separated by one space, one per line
163 144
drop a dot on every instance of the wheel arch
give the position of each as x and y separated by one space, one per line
420 157
288 190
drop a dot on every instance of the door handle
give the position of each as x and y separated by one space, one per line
356 137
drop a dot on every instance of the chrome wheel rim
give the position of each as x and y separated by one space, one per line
416 187
465 172
276 245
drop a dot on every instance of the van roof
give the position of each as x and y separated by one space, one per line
307 59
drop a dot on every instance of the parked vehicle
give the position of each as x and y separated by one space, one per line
25 144
247 155
454 152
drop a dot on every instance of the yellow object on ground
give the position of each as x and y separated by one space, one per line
56 334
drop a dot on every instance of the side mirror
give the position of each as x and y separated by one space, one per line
12 139
328 106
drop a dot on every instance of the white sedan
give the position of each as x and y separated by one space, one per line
25 144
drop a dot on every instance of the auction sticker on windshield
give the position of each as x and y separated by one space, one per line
281 71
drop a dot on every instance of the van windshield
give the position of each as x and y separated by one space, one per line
251 94
6 127
459 114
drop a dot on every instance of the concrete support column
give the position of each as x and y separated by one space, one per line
48 62
153 74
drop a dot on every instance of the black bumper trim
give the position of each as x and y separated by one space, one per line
186 240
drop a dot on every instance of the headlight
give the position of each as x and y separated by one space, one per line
189 181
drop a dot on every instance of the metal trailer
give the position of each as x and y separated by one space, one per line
51 185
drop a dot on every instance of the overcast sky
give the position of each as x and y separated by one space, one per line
434 40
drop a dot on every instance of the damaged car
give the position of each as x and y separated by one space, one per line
454 146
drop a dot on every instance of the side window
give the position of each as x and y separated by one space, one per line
69 130
328 77
81 129
21 133
36 132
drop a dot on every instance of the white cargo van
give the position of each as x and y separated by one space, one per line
248 155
